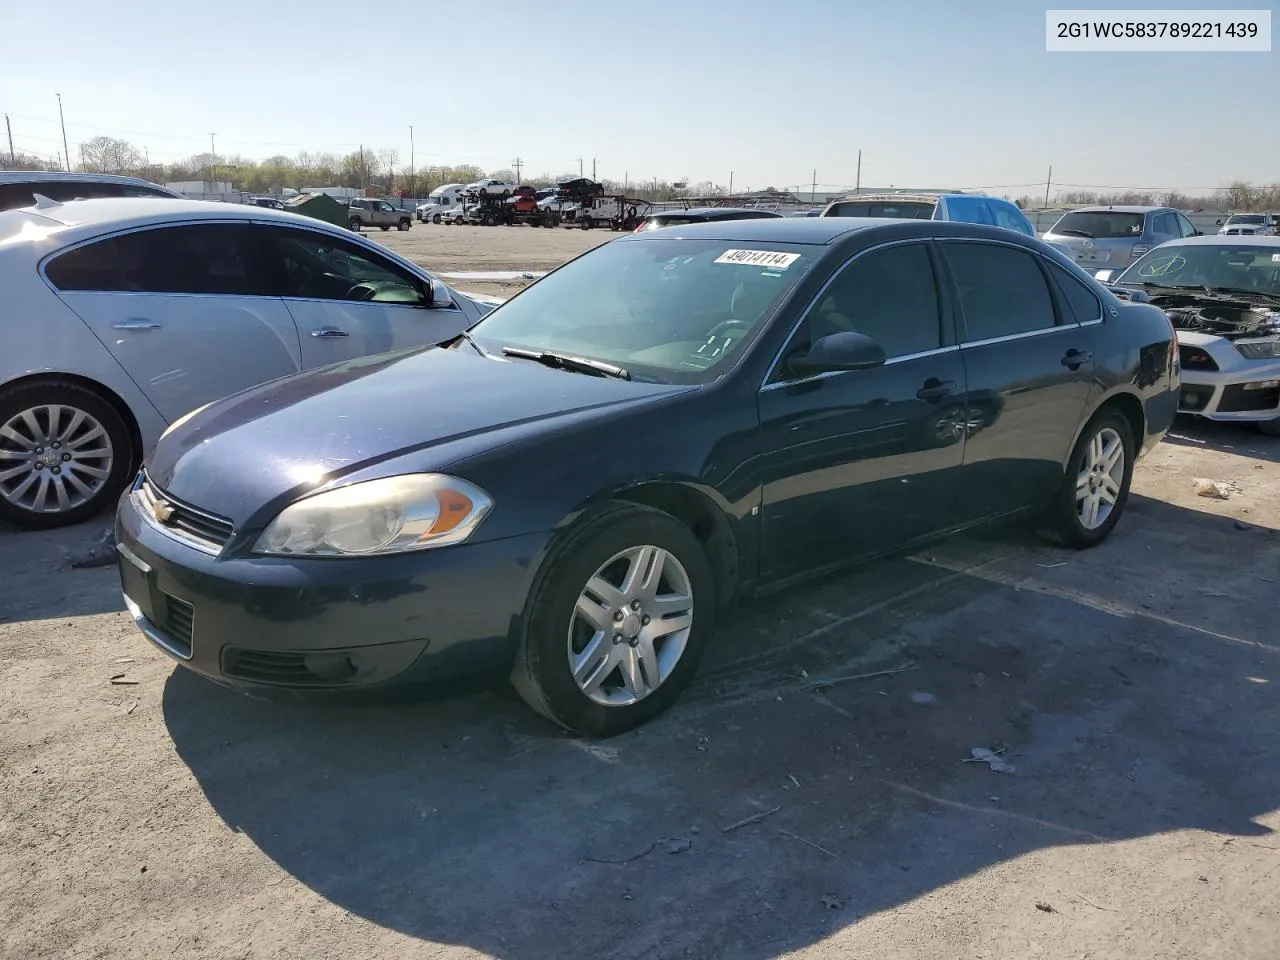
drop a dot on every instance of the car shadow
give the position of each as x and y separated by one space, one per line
1242 439
40 581
812 775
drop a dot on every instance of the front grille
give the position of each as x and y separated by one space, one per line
183 521
1193 358
179 620
1236 399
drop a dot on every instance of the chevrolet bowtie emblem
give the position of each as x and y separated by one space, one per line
161 511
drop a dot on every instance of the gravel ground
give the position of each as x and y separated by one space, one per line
1132 689
443 248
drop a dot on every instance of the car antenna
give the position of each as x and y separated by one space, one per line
43 202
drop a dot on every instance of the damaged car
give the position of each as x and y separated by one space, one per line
1222 295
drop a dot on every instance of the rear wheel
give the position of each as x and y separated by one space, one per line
1093 493
435 218
65 454
611 635
404 224
355 224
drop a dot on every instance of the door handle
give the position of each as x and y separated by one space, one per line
137 323
935 389
1076 358
329 333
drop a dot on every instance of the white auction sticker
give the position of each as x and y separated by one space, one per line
1275 258
1157 31
759 258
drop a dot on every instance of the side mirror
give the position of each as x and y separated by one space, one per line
1218 222
436 295
1197 233
839 351
1105 276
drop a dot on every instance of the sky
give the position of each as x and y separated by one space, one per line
935 93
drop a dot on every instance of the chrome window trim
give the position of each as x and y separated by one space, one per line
1007 338
773 365
1101 309
953 348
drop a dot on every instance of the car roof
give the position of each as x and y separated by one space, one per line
75 219
1214 240
824 230
899 197
60 176
1118 208
712 212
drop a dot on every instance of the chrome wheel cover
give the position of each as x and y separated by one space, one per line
630 626
1100 478
53 458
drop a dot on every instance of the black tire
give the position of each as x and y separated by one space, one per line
587 224
435 218
1270 427
404 223
355 223
17 399
541 671
385 227
505 194
1061 522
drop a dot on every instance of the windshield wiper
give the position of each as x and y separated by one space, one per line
567 361
1074 233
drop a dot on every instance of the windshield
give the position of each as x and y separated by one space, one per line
1101 225
1241 268
900 211
675 311
1250 218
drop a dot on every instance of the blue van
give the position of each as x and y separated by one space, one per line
963 207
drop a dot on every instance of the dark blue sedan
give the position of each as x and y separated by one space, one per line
574 491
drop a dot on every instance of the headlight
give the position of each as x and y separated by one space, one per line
183 419
391 515
1259 349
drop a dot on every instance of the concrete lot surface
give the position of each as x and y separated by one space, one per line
1132 688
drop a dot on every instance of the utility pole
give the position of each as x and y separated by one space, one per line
363 183
814 191
63 121
1048 180
517 164
857 186
579 166
593 168
13 157
213 157
731 183
411 193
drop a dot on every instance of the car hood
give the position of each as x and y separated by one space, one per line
267 445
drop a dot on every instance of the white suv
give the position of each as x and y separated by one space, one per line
500 187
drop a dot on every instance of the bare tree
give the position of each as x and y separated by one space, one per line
109 155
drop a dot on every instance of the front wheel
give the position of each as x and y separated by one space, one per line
65 455
1088 503
404 224
617 622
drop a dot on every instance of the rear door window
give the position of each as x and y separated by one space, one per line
1083 303
1011 218
1164 225
210 258
1002 290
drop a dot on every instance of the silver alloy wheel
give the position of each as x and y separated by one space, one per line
630 626
53 458
1100 477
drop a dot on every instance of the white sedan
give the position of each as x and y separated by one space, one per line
120 316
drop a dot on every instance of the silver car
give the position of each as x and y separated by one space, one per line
1111 238
121 316
1222 295
1248 225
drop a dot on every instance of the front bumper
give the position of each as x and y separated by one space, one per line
1229 395
275 623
